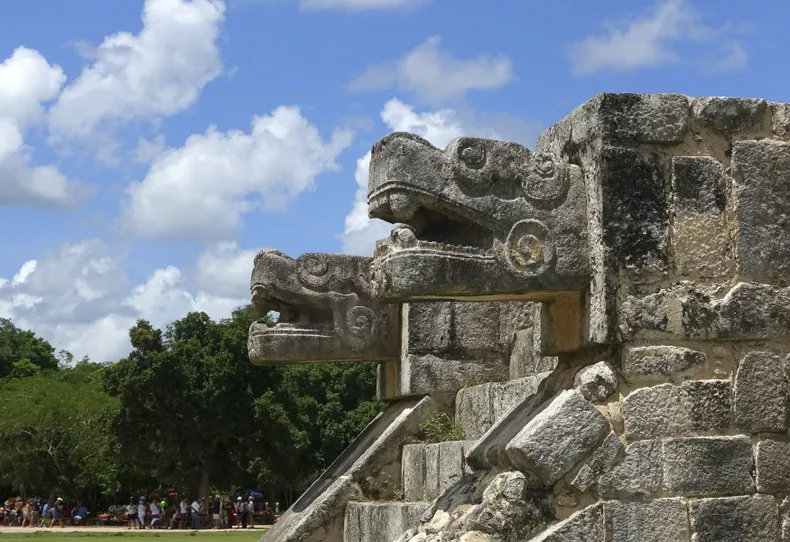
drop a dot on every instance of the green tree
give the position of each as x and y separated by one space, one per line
17 345
53 433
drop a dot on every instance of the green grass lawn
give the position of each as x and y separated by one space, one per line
206 536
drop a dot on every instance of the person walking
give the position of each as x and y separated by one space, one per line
241 511
142 508
155 514
58 513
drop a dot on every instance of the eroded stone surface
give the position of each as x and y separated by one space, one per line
761 393
479 407
762 180
430 469
700 238
600 461
638 474
558 437
658 361
366 521
696 406
772 459
707 466
732 115
583 526
661 520
596 382
753 518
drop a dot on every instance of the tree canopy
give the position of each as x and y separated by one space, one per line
184 409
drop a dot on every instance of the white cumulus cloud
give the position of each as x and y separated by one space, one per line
27 81
205 187
439 127
80 299
434 75
147 76
648 41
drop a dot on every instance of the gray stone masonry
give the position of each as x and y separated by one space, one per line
430 469
477 408
385 521
638 475
708 466
753 518
694 407
761 393
772 458
558 437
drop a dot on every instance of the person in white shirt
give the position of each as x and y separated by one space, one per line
141 510
195 511
182 521
155 513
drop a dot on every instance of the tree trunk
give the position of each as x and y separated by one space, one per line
204 482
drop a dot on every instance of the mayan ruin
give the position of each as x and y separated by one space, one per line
604 320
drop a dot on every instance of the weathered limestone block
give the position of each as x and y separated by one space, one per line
739 116
754 518
558 437
761 393
477 408
708 404
661 520
696 406
658 361
367 521
781 119
525 358
596 382
601 460
449 345
761 183
637 475
699 232
654 412
586 525
317 516
321 321
746 311
772 459
429 469
708 466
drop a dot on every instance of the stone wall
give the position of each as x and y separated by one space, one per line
669 422
450 345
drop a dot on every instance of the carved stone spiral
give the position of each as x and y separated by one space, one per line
361 321
529 250
546 180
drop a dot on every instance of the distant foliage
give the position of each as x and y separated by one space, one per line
185 409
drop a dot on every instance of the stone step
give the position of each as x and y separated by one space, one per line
317 516
381 521
430 469
477 408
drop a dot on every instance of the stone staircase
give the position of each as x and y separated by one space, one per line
429 470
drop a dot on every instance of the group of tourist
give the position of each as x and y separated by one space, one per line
215 512
224 514
35 513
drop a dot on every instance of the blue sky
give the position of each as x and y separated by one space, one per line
149 148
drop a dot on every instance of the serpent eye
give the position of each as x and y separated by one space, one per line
473 156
